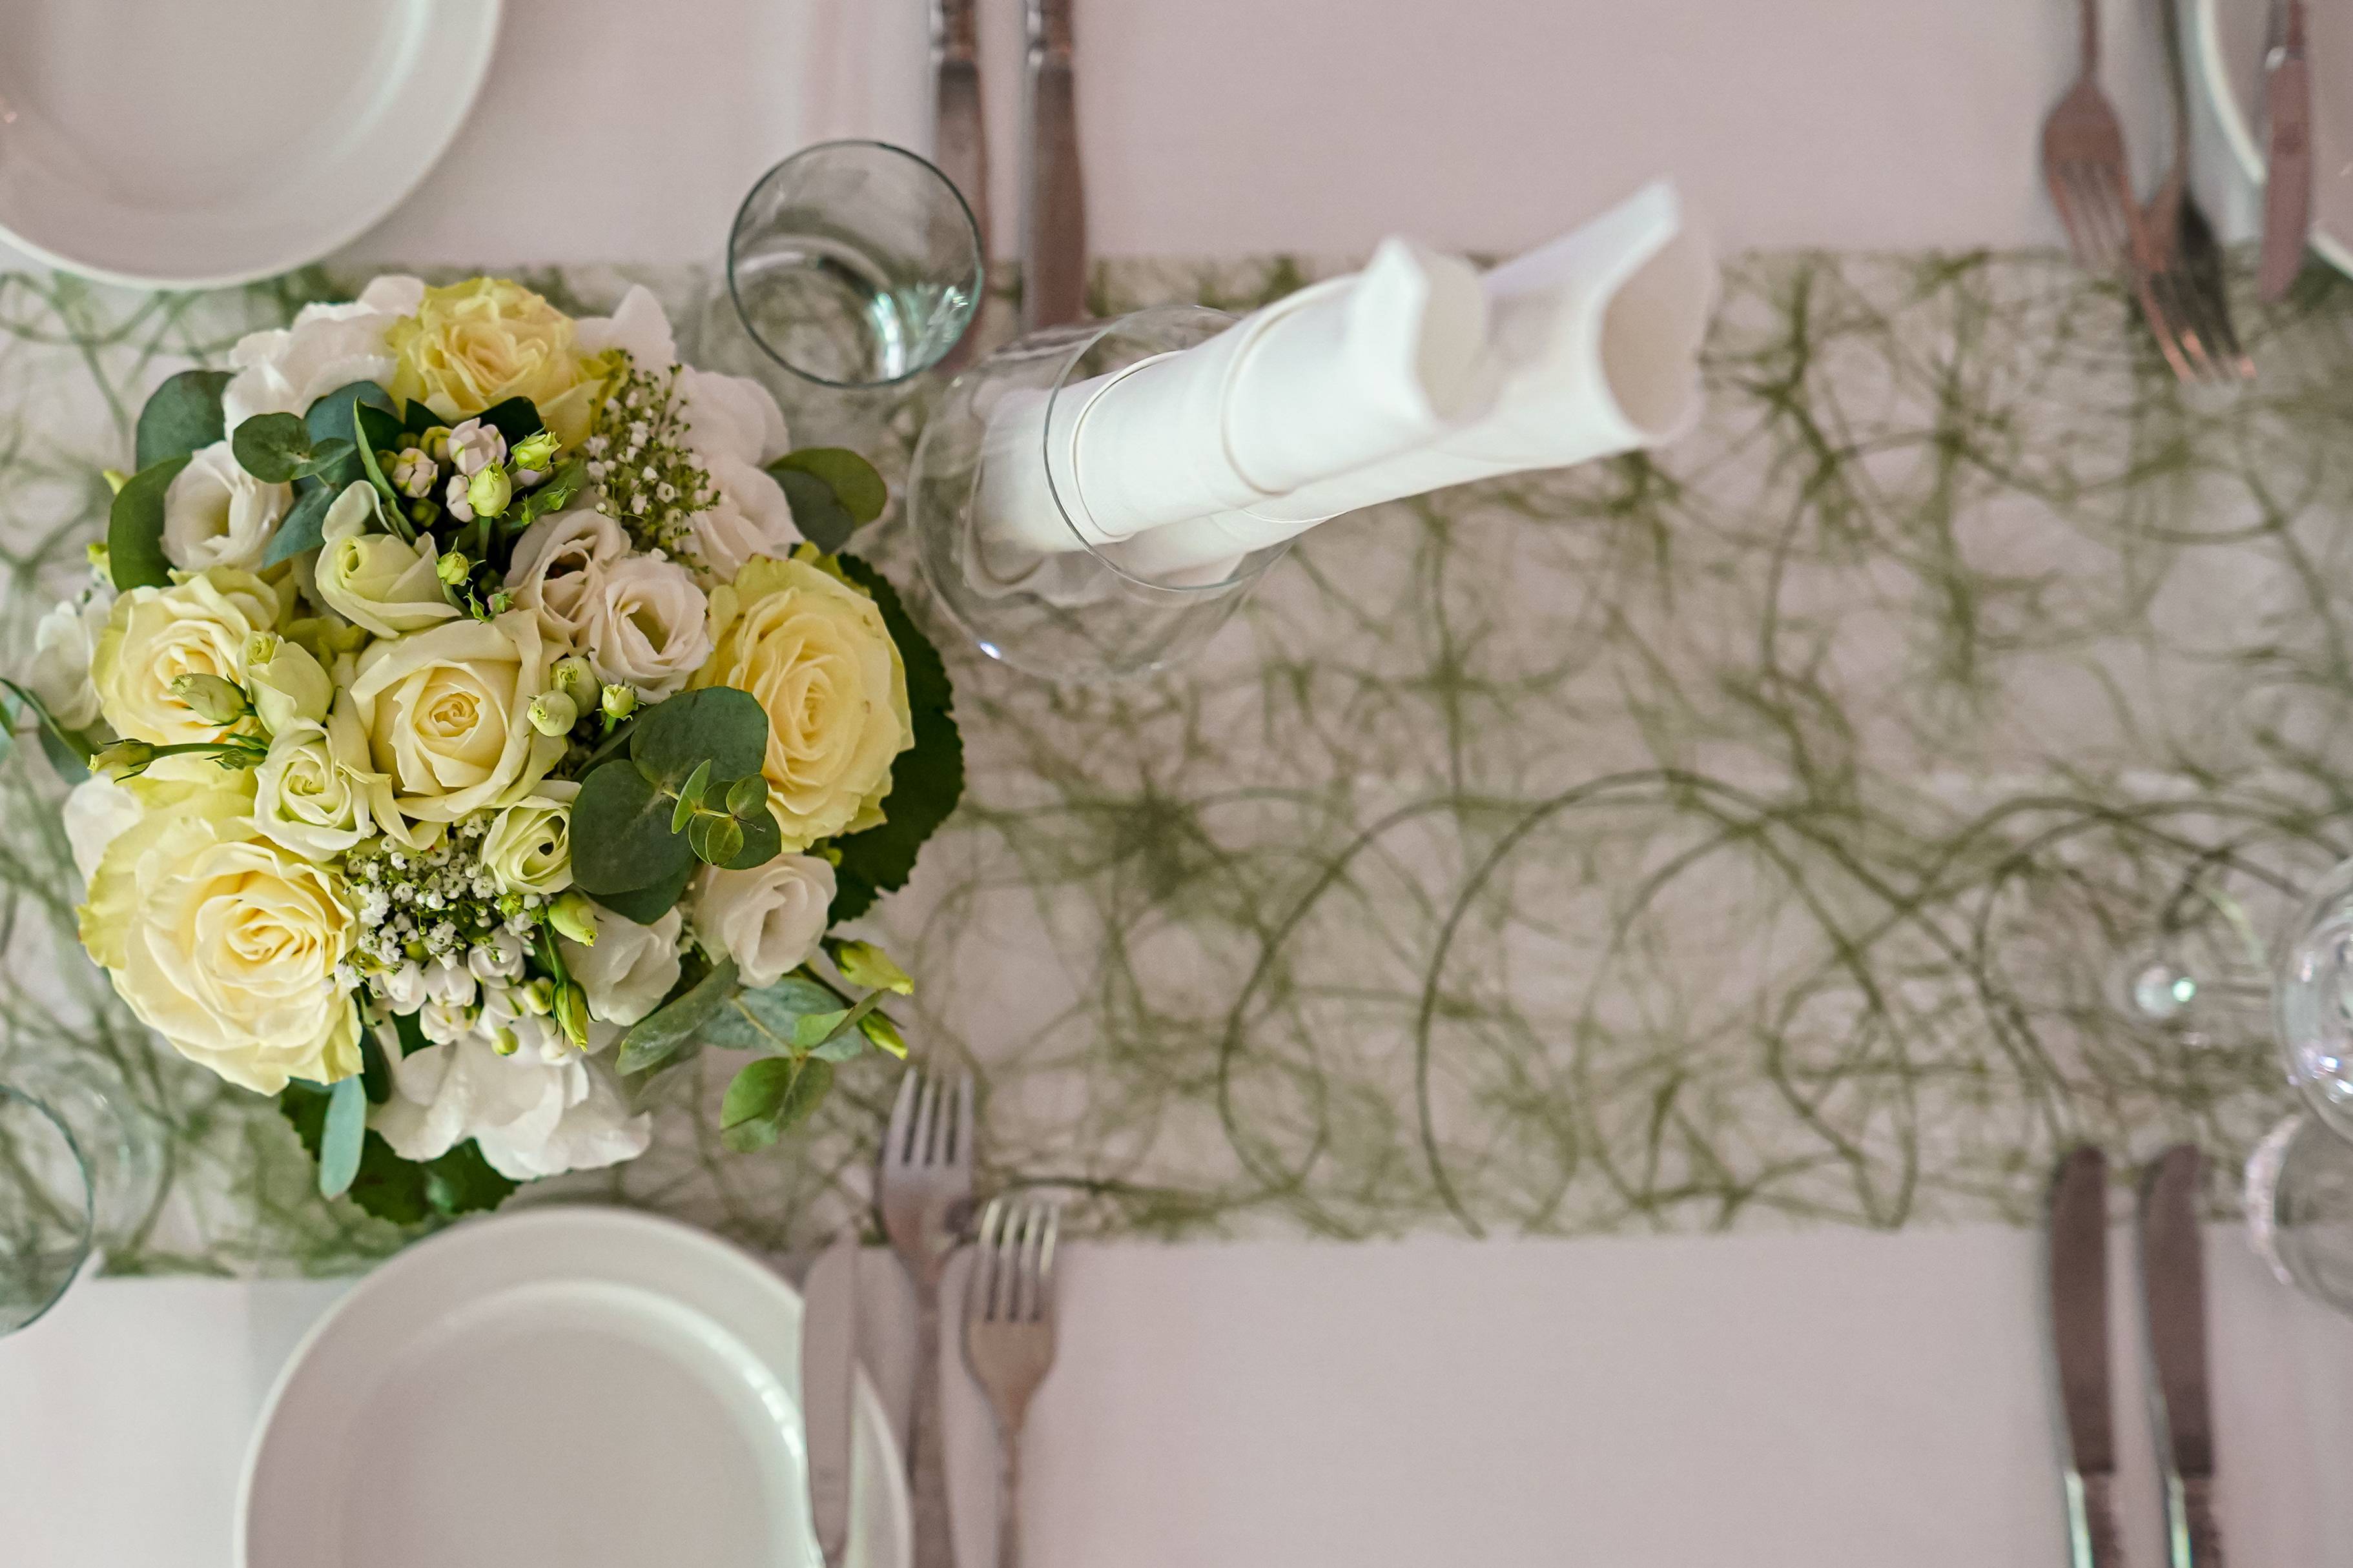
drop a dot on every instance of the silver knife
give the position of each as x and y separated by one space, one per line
2077 1278
2173 1284
959 144
828 1376
2287 182
1054 196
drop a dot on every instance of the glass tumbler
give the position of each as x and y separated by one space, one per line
855 264
80 1167
2299 1203
1071 611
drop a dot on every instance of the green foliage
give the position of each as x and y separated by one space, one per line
332 418
638 826
647 905
339 1140
770 1097
378 428
718 727
303 528
418 417
657 1037
68 750
135 528
765 1020
926 781
399 1191
517 419
621 836
831 490
278 448
181 416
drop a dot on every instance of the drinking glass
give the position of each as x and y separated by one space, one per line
2311 1001
80 1167
855 264
2299 1203
1078 614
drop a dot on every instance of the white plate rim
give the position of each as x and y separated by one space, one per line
480 44
869 1404
2237 129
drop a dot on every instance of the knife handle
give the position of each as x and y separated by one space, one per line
2196 1535
956 32
1049 31
2094 1538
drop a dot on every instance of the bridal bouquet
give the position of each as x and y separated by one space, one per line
470 716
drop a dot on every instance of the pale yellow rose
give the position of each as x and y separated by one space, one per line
448 717
371 579
288 684
814 652
315 793
529 846
200 626
476 343
221 941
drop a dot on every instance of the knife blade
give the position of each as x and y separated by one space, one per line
959 144
2287 182
2077 1278
828 1377
1054 194
2173 1287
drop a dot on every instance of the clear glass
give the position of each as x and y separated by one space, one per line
855 264
2200 974
81 1167
1076 615
2311 1001
2299 1202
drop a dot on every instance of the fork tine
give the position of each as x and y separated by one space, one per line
2231 361
985 1278
927 1105
902 1119
1033 1242
2160 327
2184 308
961 1121
2102 215
1045 1261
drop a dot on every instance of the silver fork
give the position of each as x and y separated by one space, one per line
925 1186
2083 163
1008 1336
2183 290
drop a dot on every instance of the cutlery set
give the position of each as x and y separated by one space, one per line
2173 1295
923 1188
2167 249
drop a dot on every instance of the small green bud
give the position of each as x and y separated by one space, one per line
746 796
123 760
435 442
572 1014
538 996
453 568
885 1034
535 451
99 560
501 602
489 491
863 964
573 915
420 512
618 703
575 680
553 713
504 1042
212 698
115 480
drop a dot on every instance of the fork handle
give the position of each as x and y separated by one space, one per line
1008 1498
927 1467
2091 35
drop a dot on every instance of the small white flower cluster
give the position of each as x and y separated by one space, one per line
647 476
441 905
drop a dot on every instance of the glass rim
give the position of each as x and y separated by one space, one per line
89 1233
972 234
1253 564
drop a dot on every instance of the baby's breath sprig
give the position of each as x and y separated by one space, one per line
442 902
646 475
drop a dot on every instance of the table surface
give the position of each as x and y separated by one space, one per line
1745 842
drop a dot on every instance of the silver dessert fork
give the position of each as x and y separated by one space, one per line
925 1186
2183 292
1008 1336
2084 162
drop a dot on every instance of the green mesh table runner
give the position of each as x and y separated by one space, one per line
1751 837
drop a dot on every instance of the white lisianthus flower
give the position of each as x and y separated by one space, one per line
769 920
443 1023
630 969
638 327
97 810
474 445
554 566
328 348
315 793
64 644
497 957
750 517
731 416
531 1117
217 514
449 982
403 989
645 625
529 846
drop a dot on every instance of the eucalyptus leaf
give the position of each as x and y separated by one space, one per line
856 484
817 512
181 416
68 750
647 905
375 1072
719 725
656 1038
621 837
339 1145
274 447
135 528
301 529
763 1020
759 841
817 1029
331 419
845 1045
926 781
771 1096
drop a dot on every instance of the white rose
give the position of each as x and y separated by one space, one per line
750 517
315 793
645 624
531 1117
64 643
529 846
731 416
217 514
97 810
631 967
327 348
554 564
769 918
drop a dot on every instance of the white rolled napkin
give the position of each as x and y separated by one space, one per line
1345 374
1596 335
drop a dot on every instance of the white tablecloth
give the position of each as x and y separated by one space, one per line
1820 1399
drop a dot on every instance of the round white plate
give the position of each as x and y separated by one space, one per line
560 1388
178 145
2230 37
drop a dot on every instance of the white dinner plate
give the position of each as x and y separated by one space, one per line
2230 37
191 143
560 1388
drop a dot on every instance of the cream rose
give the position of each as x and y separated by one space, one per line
224 943
154 635
647 624
750 517
476 343
816 654
768 919
315 793
217 514
529 846
630 969
447 715
374 580
287 683
328 348
65 643
555 567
